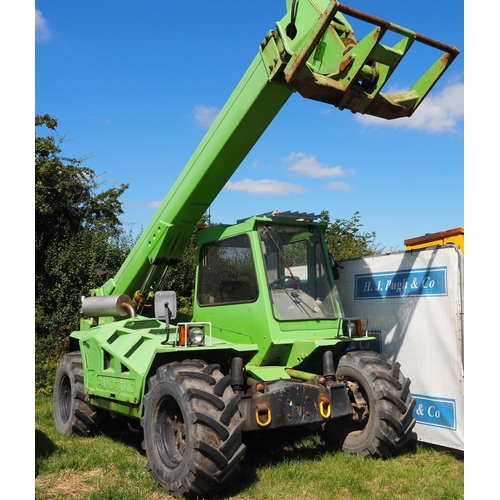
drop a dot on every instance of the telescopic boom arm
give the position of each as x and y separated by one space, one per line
312 51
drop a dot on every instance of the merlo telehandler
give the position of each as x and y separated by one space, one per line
268 345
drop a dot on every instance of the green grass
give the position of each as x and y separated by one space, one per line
291 465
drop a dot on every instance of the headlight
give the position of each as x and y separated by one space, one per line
352 328
196 335
191 334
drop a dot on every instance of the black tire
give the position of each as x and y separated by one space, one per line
389 422
192 429
72 414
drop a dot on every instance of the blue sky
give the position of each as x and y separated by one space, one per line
135 86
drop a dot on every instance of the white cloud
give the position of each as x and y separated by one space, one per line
440 112
150 205
265 186
307 165
154 205
106 121
339 186
42 32
205 115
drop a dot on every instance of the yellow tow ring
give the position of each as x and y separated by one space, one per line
325 410
262 409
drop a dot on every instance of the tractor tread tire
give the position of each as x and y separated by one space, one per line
71 411
192 429
387 392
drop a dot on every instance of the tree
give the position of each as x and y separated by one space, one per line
66 192
77 229
344 239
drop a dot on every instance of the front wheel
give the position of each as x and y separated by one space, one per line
72 413
382 418
192 429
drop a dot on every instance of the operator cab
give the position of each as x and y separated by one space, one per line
282 257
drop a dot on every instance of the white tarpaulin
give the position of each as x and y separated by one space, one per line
414 300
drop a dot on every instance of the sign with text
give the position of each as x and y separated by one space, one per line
409 282
440 412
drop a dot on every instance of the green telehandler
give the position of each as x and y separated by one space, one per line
268 345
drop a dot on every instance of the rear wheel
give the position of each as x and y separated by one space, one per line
382 418
72 414
192 429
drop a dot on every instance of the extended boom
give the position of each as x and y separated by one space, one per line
312 51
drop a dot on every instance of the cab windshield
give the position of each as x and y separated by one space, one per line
299 283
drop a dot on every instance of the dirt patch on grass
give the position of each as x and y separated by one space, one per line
71 483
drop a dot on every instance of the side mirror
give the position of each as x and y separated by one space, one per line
335 267
165 306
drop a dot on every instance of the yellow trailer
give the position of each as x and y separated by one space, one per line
455 236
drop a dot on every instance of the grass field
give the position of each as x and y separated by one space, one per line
287 465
